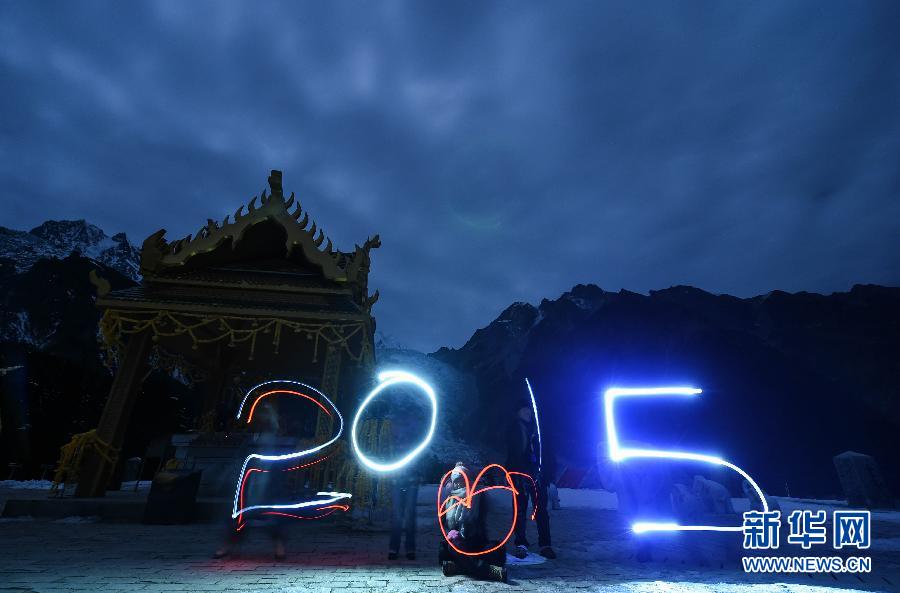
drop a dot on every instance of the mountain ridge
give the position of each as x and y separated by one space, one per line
58 239
816 371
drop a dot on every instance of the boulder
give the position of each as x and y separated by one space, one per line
862 481
714 497
753 497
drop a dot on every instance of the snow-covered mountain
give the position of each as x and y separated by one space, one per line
50 306
46 298
60 238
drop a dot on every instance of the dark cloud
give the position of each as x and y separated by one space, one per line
504 151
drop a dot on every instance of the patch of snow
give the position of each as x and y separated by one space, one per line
142 485
78 519
829 506
889 544
530 560
584 498
16 326
26 484
581 303
603 499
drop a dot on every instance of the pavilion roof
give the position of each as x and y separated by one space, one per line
215 244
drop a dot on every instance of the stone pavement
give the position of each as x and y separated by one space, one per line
594 547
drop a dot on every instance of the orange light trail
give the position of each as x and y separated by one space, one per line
331 509
466 501
290 469
534 488
241 520
321 459
288 392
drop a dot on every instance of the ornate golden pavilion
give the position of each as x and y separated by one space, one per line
265 295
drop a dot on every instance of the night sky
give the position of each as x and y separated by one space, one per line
503 151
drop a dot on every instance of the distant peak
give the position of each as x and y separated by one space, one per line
679 289
59 238
56 225
518 310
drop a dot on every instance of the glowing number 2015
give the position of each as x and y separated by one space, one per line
618 453
325 503
388 379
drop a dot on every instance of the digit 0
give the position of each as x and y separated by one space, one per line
389 379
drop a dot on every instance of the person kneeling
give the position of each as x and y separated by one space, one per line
465 528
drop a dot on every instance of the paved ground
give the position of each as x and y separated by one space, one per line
595 555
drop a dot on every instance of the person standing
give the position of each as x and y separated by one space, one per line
525 456
404 491
260 487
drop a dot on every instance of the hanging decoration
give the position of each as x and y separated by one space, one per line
71 454
205 328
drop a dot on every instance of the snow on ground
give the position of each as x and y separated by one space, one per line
791 504
568 498
142 485
602 499
891 544
26 484
588 499
78 519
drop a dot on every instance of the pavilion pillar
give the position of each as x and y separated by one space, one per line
215 385
96 470
331 376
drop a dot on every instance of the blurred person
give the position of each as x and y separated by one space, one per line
259 487
404 491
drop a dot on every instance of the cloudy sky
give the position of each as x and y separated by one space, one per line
503 151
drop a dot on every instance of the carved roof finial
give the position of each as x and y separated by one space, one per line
275 183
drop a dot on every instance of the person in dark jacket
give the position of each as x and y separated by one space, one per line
466 529
404 493
525 456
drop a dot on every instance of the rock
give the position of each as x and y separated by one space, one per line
753 497
131 470
862 481
714 497
687 506
642 488
553 493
